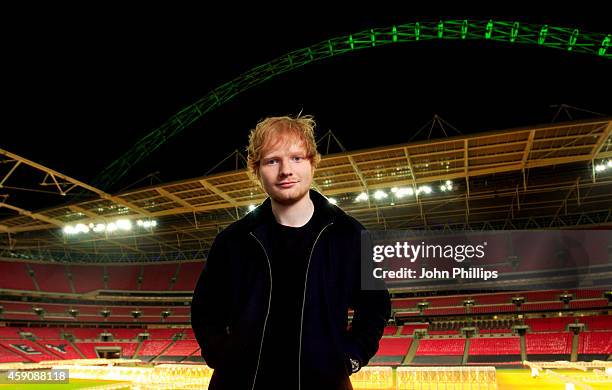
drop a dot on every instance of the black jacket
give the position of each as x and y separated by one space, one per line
232 297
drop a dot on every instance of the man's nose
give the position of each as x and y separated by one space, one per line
285 168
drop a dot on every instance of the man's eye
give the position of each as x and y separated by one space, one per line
298 158
271 162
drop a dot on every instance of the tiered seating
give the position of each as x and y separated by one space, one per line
14 276
87 310
54 311
151 348
541 296
588 303
497 248
548 346
440 351
90 313
391 351
87 277
442 332
85 333
390 330
542 306
28 350
587 294
495 346
123 277
9 333
182 348
122 334
493 309
594 345
597 242
532 257
163 334
405 303
157 277
21 316
61 348
51 277
597 322
494 350
123 311
490 299
441 346
444 311
446 301
500 330
8 356
188 276
553 324
45 333
408 329
89 349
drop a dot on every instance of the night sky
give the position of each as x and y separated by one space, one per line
79 91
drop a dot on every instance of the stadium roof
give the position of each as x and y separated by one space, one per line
553 175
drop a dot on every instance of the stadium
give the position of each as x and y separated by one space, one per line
97 280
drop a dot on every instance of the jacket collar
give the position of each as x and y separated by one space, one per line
261 219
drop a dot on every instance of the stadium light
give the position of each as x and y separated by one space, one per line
378 195
362 197
425 189
118 225
447 186
124 224
332 200
252 207
69 230
99 228
81 228
403 191
603 165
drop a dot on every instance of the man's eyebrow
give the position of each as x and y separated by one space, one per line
269 155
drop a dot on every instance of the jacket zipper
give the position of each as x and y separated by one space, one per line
304 303
267 313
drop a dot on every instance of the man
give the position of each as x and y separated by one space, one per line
270 308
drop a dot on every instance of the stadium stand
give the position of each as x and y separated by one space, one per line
548 346
15 276
188 276
123 277
440 351
494 350
51 277
594 345
156 277
392 351
87 278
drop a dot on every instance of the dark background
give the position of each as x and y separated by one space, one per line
81 86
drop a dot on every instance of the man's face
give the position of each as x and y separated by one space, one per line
285 171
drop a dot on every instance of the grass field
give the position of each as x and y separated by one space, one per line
521 379
507 379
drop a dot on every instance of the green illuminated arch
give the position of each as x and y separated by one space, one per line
511 32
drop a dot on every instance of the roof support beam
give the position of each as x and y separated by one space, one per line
218 192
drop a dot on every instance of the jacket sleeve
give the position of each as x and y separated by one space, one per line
210 306
371 310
